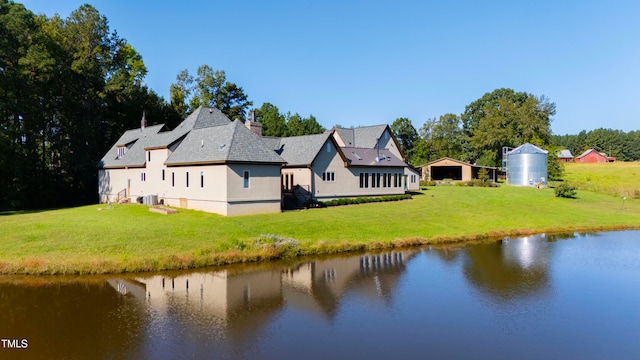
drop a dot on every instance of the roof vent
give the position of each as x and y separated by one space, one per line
222 146
210 110
202 143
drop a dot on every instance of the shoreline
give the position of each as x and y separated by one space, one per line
132 239
35 267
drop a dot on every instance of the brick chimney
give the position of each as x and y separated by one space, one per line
253 124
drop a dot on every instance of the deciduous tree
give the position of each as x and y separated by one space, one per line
406 135
209 88
506 118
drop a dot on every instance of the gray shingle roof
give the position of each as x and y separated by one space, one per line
565 154
200 118
371 157
272 142
301 150
223 143
136 141
346 135
362 137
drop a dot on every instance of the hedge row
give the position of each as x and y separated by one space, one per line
477 183
359 200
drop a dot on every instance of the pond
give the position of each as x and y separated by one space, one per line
543 296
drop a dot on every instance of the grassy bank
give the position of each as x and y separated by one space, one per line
131 238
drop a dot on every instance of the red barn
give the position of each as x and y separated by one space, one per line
592 156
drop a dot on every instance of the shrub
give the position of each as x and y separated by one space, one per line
477 183
427 183
483 175
565 191
363 200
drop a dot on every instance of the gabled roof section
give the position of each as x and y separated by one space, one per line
565 154
590 151
371 157
302 150
135 141
202 117
528 149
362 137
208 116
347 135
222 144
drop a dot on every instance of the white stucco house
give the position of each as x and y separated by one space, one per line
212 164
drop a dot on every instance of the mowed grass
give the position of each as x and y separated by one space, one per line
619 178
127 238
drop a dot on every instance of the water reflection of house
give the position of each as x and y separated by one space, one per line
236 302
224 294
240 302
318 286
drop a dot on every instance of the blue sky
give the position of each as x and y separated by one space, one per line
357 63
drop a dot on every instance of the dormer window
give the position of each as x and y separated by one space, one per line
121 151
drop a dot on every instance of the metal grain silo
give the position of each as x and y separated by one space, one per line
527 166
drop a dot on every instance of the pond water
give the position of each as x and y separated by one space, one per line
560 296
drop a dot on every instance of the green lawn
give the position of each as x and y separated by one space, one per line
618 179
131 238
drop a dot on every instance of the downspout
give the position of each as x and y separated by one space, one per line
312 183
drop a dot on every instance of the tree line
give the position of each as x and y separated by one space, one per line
508 118
617 143
69 88
500 118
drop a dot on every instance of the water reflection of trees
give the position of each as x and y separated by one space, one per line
511 268
507 269
69 318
